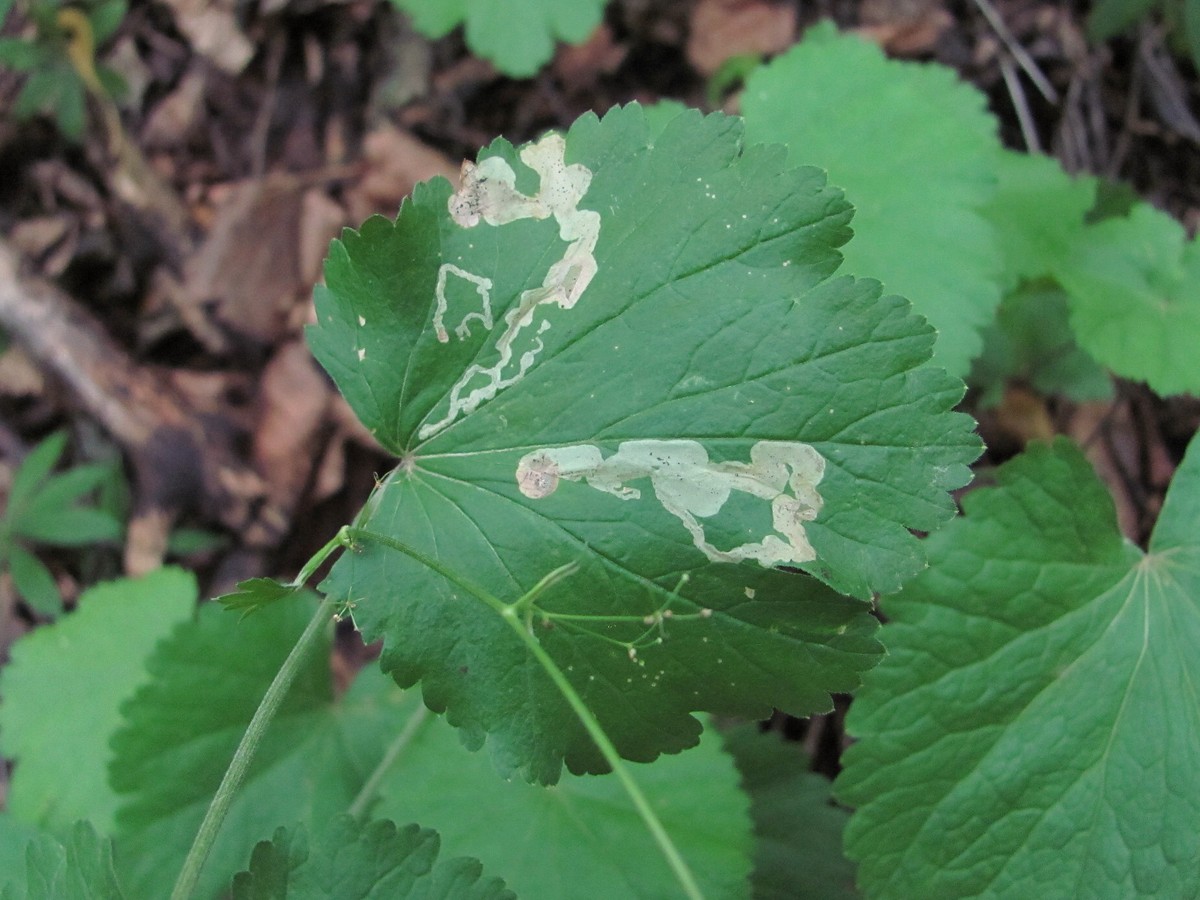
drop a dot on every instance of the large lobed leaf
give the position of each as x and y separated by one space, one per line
916 151
616 370
181 729
1033 730
580 838
1134 288
59 696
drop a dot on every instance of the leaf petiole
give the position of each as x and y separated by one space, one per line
517 614
234 775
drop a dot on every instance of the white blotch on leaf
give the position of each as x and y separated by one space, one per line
489 195
691 487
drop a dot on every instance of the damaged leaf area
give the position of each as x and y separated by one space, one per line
621 350
690 487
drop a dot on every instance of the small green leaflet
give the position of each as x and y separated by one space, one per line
1134 288
374 861
79 869
620 349
1033 729
256 593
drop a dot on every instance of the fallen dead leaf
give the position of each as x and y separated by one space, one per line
904 27
19 377
178 115
292 405
721 29
212 30
1105 431
580 66
257 263
395 162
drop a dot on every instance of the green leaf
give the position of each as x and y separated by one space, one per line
517 35
797 828
20 54
69 486
1032 342
1191 27
1032 732
916 151
582 837
435 19
1038 210
105 18
14 839
34 582
80 870
181 729
40 92
70 106
46 514
71 526
195 541
255 593
34 470
1109 18
1134 302
684 339
62 690
350 859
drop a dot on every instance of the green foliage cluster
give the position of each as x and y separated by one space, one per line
58 53
657 457
1109 18
51 510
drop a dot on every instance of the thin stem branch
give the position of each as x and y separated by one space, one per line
234 775
1024 117
1020 54
516 615
370 788
666 846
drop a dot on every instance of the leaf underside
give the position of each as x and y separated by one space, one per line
624 352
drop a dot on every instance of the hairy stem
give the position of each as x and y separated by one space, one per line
516 615
206 836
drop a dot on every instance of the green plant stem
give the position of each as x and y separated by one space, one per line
341 539
674 859
207 834
516 615
358 808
